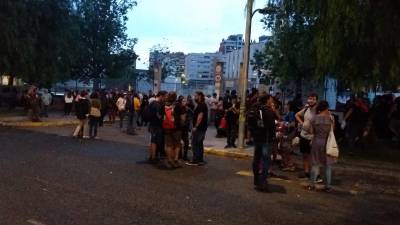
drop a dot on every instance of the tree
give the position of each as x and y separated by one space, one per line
355 41
103 36
290 54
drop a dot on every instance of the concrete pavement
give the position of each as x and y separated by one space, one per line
53 179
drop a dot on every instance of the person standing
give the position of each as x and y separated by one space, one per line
104 107
46 101
121 106
394 124
95 114
68 102
136 111
155 109
34 104
185 128
232 119
321 125
200 124
82 111
172 124
261 120
304 118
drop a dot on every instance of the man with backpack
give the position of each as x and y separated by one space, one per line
173 120
261 122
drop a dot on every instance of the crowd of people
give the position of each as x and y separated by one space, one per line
178 124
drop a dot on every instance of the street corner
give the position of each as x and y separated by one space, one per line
226 153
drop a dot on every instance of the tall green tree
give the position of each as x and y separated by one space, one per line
103 36
355 41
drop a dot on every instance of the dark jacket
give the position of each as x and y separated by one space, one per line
82 108
266 133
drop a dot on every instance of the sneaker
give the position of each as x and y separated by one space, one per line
263 189
234 146
192 163
319 180
86 137
228 146
177 164
289 169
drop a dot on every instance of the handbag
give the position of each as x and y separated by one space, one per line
95 112
331 145
223 124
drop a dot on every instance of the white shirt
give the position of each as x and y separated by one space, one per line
306 128
68 99
121 104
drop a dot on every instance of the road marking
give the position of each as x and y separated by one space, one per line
34 222
245 173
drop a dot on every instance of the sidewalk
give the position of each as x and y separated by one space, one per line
54 119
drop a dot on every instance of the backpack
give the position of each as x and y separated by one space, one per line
148 114
254 118
169 120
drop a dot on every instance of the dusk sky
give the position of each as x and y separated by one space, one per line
187 25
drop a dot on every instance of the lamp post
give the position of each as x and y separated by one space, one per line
244 73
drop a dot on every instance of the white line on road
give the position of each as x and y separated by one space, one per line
34 222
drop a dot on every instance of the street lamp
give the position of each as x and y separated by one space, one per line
243 76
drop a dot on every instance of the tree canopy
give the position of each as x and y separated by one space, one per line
354 41
48 40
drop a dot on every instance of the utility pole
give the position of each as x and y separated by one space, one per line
244 75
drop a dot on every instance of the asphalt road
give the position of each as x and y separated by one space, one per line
55 180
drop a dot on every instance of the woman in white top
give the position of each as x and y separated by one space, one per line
121 106
68 102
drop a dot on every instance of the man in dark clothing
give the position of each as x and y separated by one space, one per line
262 124
155 127
200 122
104 106
394 124
82 112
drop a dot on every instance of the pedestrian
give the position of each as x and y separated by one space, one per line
94 115
68 102
232 119
219 114
136 110
286 132
321 125
143 105
355 121
173 119
34 104
394 124
46 101
121 106
261 120
104 107
155 111
304 118
185 129
82 111
200 124
111 105
213 107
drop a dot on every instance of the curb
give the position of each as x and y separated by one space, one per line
227 153
37 124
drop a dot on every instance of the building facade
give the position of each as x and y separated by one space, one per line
232 43
200 70
232 63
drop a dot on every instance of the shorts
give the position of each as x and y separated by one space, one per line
305 146
172 138
156 135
